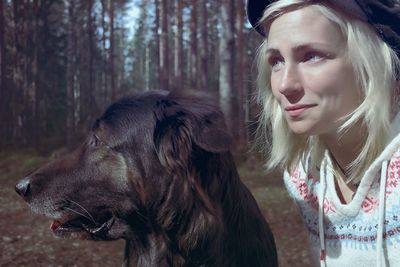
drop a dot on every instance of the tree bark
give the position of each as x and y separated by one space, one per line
226 78
193 55
18 92
71 73
104 60
203 74
112 52
3 87
164 52
35 118
241 66
178 67
147 69
90 91
28 51
2 47
157 70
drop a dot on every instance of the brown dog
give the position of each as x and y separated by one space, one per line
156 171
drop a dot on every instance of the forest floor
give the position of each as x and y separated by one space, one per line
26 240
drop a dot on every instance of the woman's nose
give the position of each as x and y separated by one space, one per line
290 84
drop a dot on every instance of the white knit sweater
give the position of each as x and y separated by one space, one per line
364 232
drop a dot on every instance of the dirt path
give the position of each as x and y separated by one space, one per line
25 238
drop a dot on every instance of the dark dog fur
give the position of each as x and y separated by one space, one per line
156 171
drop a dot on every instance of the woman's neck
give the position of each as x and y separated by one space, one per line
344 149
346 146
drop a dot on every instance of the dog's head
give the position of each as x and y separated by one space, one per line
147 166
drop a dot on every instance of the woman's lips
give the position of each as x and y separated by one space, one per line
297 110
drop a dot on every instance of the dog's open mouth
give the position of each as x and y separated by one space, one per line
82 228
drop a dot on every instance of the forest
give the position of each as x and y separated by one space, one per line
64 61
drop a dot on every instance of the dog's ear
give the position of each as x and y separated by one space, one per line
184 122
185 128
210 132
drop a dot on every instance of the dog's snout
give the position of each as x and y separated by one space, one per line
23 187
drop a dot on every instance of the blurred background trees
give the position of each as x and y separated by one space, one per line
64 61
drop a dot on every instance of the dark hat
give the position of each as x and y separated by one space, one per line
384 15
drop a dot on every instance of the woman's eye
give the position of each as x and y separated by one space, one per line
313 57
276 63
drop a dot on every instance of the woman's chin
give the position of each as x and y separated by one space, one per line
301 133
302 129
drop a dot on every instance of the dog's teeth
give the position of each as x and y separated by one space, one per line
101 228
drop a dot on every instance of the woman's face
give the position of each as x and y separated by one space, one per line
311 78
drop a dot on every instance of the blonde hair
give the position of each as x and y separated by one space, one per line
375 66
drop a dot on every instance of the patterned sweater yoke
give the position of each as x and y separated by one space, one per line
365 231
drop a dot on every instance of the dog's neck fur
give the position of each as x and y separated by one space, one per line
241 231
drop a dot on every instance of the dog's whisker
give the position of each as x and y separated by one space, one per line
82 214
85 210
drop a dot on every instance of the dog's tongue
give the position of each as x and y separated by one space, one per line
54 225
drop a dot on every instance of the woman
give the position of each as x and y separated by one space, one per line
327 82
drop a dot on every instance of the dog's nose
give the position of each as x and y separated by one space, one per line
23 187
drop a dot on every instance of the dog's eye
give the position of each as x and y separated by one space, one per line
95 141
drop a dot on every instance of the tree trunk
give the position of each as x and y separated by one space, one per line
104 60
71 72
90 90
35 118
203 74
178 67
2 50
28 51
193 55
226 87
157 70
240 67
112 52
17 94
164 52
147 69
214 34
3 88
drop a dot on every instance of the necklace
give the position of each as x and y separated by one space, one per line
346 173
338 165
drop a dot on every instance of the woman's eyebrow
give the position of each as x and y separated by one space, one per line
298 48
308 46
272 51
